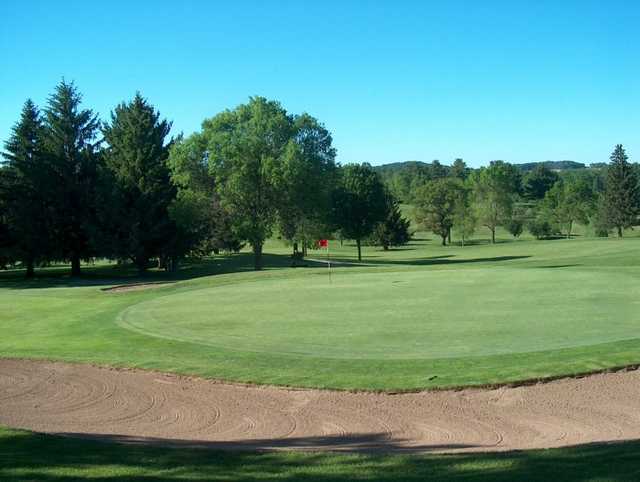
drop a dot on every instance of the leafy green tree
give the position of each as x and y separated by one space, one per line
28 188
195 208
246 148
437 170
70 147
600 218
306 180
459 169
538 181
394 229
540 228
136 154
622 193
515 226
495 190
464 218
435 206
567 203
204 226
194 217
359 203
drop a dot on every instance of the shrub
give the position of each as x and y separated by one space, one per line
540 228
515 227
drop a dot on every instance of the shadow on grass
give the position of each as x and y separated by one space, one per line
351 443
430 261
554 266
112 274
29 456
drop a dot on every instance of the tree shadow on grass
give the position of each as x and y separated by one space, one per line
351 443
29 456
112 274
429 261
554 266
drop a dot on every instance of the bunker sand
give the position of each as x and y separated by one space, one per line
146 407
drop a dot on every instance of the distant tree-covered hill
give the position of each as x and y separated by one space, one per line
553 165
403 178
399 166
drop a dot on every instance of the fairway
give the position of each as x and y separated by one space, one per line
408 314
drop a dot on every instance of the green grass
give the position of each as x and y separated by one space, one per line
422 316
26 456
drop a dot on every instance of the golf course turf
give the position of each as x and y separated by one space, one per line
436 332
417 317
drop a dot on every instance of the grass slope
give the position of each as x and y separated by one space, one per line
423 316
26 456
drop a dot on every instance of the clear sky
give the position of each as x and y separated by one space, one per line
393 80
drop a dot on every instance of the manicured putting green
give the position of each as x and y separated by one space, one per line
408 314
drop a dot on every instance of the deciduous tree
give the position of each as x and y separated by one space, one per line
459 169
495 190
538 181
464 217
245 149
306 180
566 203
435 206
359 202
205 226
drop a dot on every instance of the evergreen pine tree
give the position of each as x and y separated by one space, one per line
6 255
136 155
394 229
70 149
26 198
622 193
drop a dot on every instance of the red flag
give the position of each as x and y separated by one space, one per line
323 243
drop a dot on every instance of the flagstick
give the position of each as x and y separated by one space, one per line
329 261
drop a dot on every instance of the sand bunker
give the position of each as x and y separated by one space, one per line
138 406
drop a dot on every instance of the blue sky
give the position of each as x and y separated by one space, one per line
393 80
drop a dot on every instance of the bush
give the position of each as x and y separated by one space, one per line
515 226
540 228
600 221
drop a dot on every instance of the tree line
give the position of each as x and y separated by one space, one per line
75 188
546 202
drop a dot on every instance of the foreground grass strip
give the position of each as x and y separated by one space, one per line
31 456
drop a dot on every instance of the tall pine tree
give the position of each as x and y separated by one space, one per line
26 199
136 155
69 138
394 229
622 193
6 255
